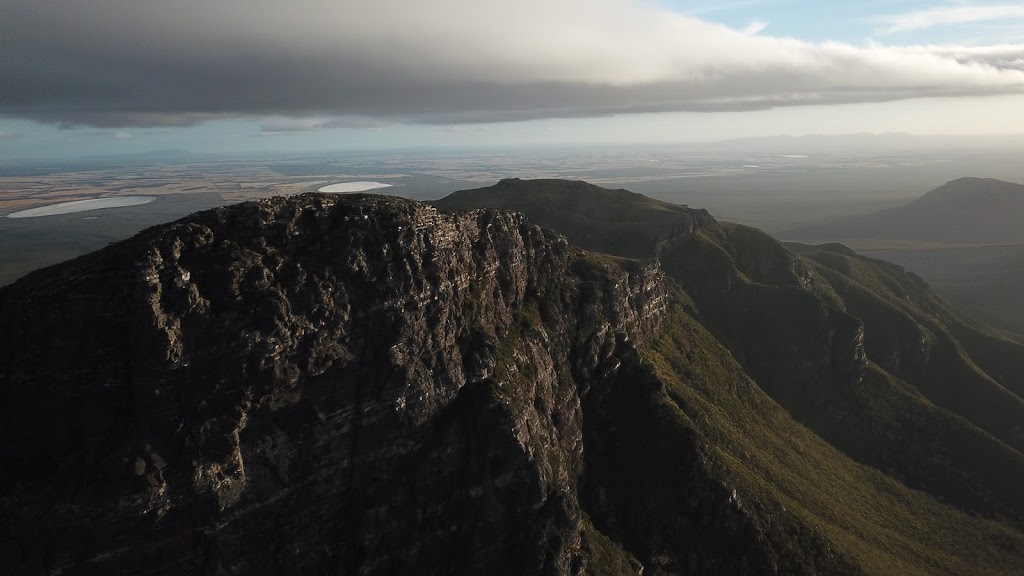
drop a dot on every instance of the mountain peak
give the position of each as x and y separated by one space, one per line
962 211
976 189
368 385
613 221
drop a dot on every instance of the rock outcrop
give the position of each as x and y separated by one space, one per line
366 385
357 385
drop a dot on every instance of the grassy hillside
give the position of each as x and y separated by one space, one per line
803 490
964 238
854 413
985 282
616 222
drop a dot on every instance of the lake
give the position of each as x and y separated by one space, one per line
82 206
353 187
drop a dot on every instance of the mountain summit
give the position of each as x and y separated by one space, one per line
370 385
966 210
604 220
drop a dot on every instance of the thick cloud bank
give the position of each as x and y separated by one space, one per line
148 62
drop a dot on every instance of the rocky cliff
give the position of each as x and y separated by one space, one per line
365 385
353 385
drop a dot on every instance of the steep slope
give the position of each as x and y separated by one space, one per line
295 386
984 281
364 385
355 385
921 409
962 211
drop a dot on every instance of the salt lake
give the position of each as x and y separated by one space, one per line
354 187
82 206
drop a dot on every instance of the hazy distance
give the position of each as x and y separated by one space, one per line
780 184
199 104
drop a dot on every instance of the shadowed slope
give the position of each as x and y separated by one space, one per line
803 328
962 211
364 385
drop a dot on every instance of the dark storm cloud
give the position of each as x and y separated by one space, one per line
116 63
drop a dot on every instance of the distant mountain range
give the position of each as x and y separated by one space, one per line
368 385
963 211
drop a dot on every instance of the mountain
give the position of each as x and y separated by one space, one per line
370 385
963 211
616 222
964 238
986 282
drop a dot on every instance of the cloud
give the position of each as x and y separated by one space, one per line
120 63
948 16
1002 57
6 135
755 27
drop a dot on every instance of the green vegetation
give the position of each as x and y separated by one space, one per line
508 367
904 318
965 238
605 557
616 222
864 426
792 480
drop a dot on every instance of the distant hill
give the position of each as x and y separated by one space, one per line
604 220
963 211
986 282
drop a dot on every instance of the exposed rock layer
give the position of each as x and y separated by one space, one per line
357 385
364 385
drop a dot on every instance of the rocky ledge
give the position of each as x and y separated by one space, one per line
350 385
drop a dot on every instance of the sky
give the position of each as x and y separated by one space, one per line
93 77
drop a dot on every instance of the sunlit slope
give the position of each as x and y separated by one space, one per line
814 507
859 351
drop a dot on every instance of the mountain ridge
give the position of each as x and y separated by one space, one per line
973 211
364 384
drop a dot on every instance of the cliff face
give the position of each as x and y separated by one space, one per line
859 351
365 385
353 385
